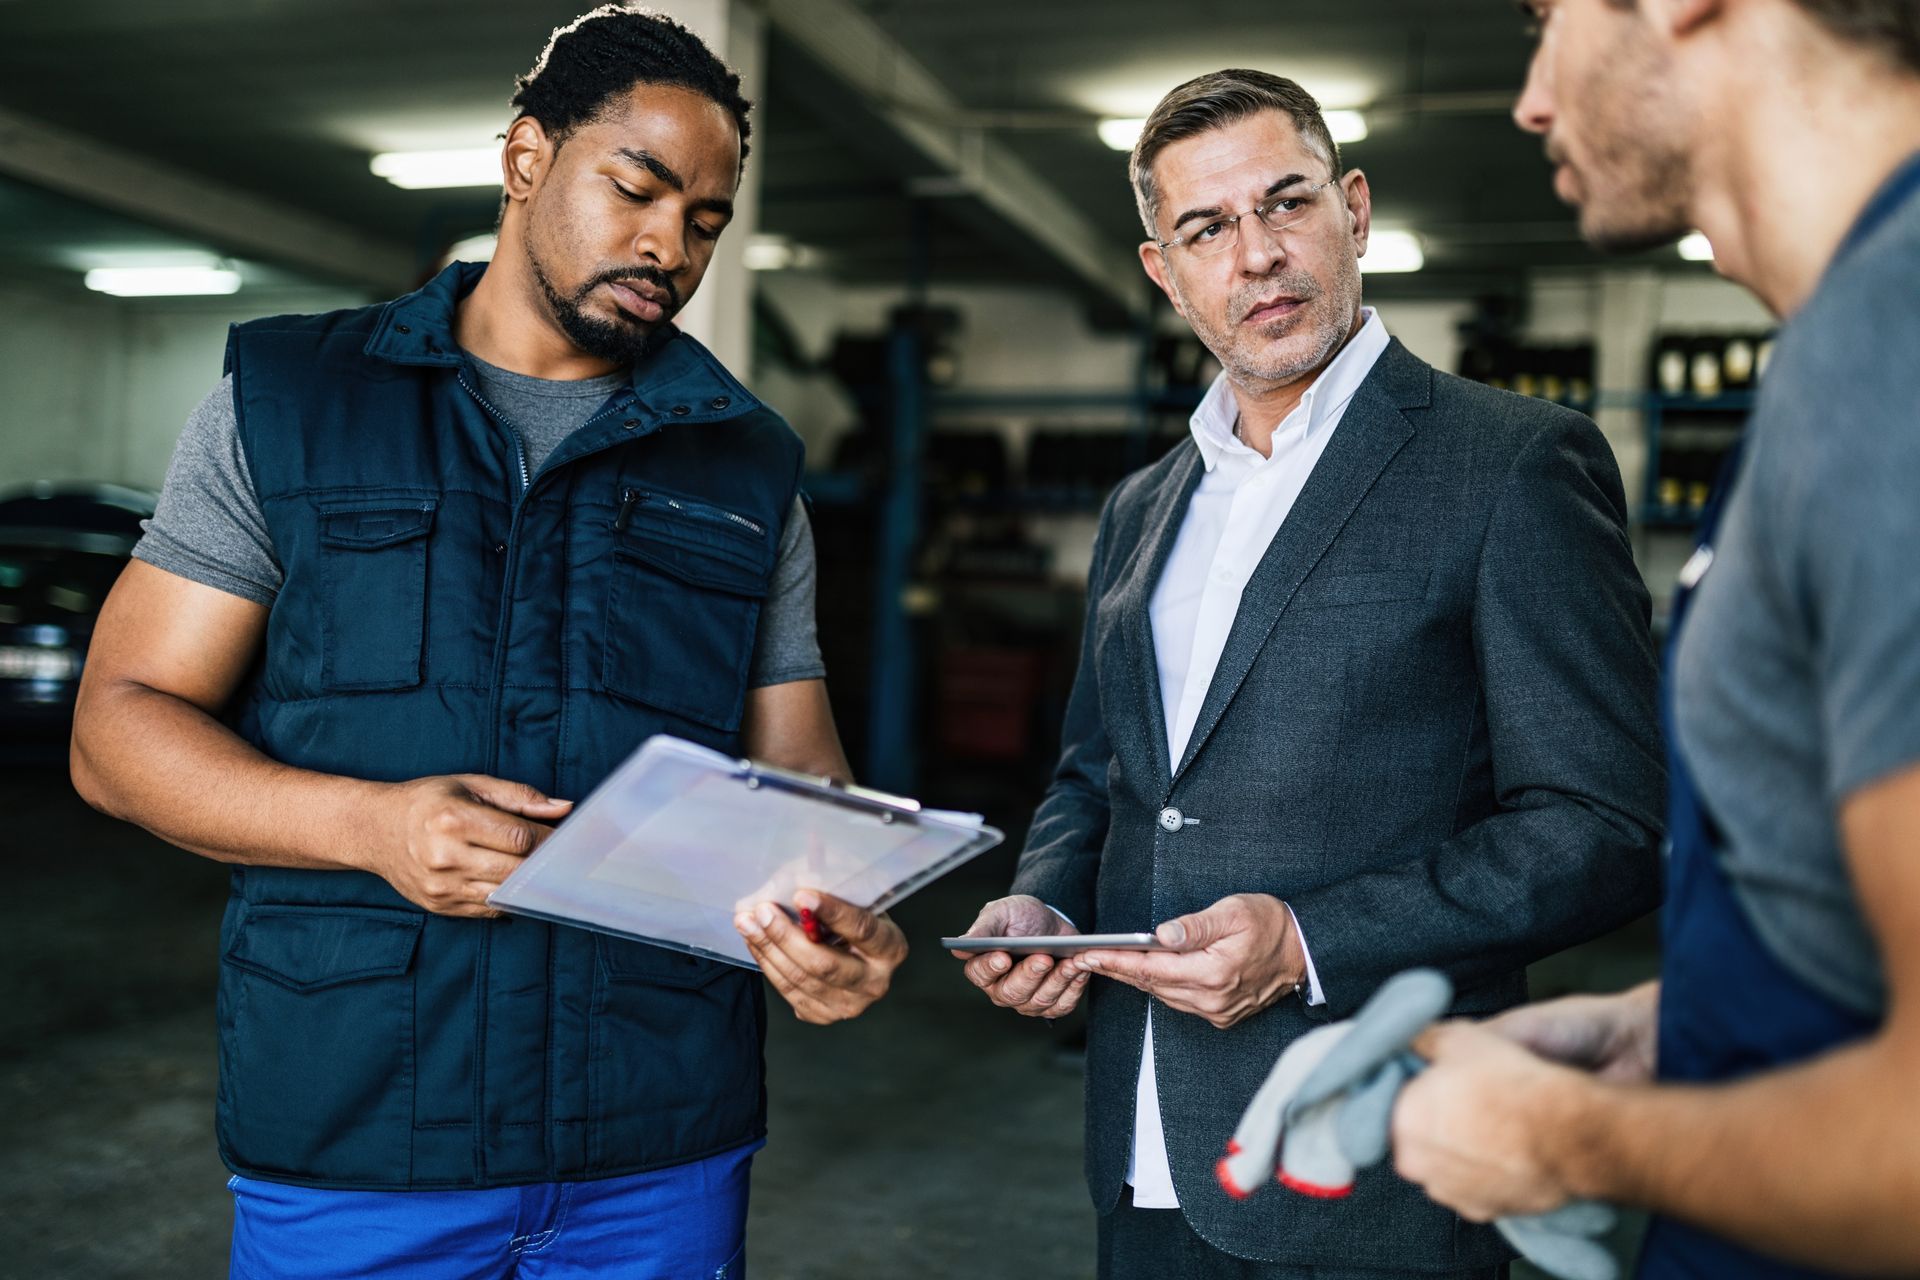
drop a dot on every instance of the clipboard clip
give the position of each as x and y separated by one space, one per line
889 807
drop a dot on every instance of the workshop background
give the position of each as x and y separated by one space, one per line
933 277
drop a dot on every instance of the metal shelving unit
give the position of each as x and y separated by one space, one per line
901 498
1656 411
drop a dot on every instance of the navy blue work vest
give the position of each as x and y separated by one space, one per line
447 611
1728 1006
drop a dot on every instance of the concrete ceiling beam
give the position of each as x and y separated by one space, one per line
855 50
231 220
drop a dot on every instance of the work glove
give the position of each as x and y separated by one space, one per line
1326 1109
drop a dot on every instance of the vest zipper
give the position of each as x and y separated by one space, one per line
710 513
506 582
631 498
519 441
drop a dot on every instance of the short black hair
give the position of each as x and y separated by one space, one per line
605 52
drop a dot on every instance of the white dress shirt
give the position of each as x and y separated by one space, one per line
1242 500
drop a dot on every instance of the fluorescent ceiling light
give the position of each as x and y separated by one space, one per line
1694 248
422 170
766 252
1393 251
1345 126
478 248
1121 133
163 282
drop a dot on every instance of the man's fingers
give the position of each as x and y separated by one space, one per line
514 797
489 828
1198 930
1024 979
864 930
778 965
486 866
985 969
1070 998
1047 996
1438 1040
1133 967
792 988
822 964
496 829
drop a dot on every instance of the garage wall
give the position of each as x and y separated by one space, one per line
97 388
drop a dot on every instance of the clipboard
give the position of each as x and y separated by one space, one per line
680 838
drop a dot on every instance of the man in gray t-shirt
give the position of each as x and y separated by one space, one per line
1758 1098
208 527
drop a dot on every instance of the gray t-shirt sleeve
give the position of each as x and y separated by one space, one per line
1850 541
788 647
207 526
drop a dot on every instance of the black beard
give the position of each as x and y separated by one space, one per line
624 341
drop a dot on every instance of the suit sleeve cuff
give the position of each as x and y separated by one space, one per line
1315 996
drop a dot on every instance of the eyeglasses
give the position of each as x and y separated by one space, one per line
1276 212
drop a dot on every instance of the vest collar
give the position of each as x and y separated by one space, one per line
679 380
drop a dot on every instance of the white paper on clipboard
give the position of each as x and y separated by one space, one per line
680 838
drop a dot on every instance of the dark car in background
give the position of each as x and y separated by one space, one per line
61 548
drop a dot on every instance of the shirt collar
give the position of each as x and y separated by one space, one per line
1214 421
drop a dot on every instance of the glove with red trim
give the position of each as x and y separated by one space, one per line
1327 1106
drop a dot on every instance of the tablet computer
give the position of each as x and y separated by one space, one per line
1064 944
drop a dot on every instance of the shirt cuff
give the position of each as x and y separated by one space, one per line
1063 915
1313 993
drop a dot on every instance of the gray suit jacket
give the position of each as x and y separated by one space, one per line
1432 732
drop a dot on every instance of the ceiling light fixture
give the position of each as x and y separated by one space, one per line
769 252
1121 133
1345 126
429 170
1694 247
478 248
163 282
1393 252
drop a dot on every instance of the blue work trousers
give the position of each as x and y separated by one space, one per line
684 1223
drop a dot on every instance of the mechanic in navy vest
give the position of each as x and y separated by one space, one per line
1760 1098
465 636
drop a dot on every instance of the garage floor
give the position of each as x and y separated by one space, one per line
890 1135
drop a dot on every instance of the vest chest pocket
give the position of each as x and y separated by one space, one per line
373 560
682 610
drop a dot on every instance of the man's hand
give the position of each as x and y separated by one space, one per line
836 978
1229 962
1469 1128
1037 987
456 838
1615 1037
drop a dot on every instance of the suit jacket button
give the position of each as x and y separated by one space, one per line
1170 820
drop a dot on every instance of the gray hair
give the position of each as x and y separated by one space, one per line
1214 101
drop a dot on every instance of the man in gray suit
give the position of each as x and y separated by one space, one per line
1366 683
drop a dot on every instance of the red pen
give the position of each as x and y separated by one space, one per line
811 926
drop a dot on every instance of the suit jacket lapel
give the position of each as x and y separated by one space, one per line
1371 432
1141 741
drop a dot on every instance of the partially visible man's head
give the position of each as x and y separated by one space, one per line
1620 128
1272 305
623 159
